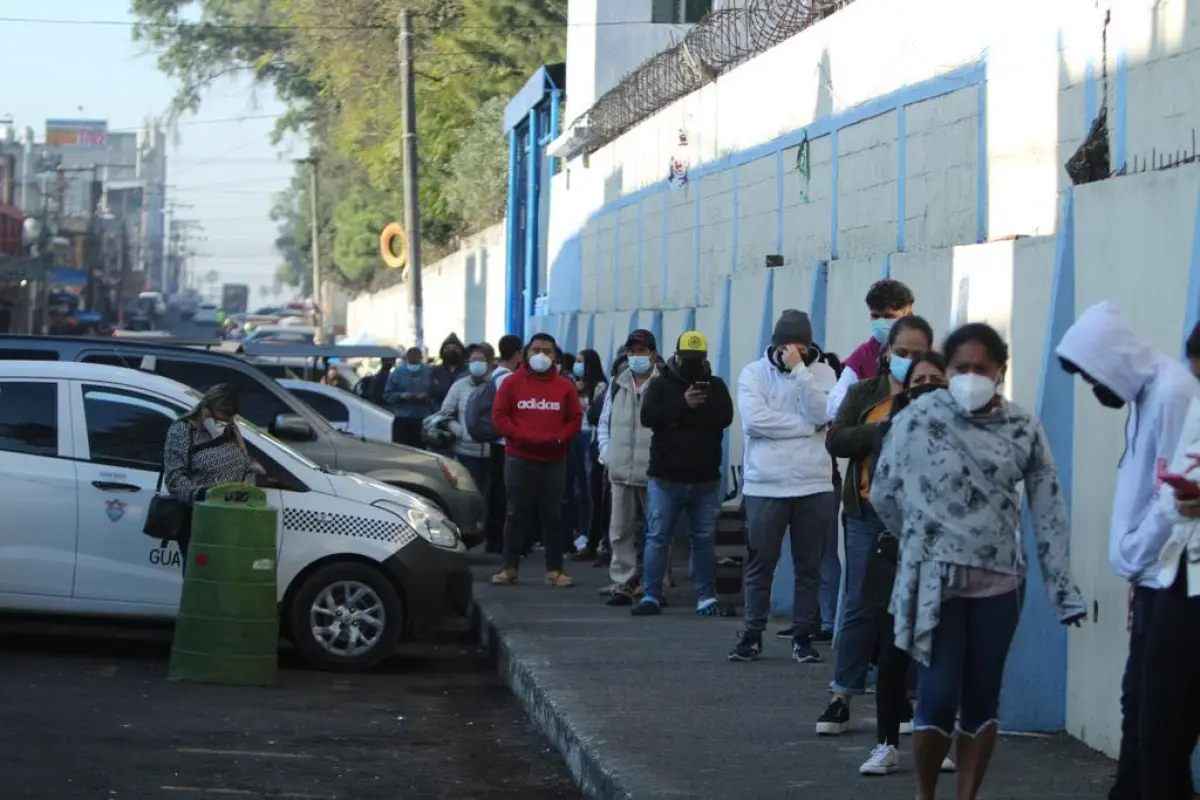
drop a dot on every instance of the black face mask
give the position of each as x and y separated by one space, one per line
691 369
1107 397
918 391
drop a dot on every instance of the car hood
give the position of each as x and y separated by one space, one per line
361 489
356 454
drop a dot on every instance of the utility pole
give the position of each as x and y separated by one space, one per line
314 224
412 208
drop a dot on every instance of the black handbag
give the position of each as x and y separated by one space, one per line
169 519
881 571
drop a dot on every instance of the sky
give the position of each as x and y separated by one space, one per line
220 163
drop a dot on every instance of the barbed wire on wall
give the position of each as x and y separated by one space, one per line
721 41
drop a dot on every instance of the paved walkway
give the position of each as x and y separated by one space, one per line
650 707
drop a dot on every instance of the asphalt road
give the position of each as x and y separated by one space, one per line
90 714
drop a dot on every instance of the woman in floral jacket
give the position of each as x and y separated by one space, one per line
946 484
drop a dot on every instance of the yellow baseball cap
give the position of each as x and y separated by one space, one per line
692 342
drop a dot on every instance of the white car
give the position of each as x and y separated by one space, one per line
80 455
343 410
156 298
206 314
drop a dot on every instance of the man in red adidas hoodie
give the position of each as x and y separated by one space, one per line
537 412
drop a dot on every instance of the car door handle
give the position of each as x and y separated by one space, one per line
108 486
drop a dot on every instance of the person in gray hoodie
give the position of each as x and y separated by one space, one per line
475 456
947 485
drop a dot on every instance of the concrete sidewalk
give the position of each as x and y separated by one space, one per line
650 707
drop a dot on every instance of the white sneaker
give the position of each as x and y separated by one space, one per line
948 765
884 760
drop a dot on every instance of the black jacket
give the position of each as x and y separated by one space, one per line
686 445
443 376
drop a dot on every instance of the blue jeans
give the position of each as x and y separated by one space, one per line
666 501
831 572
480 469
578 494
859 629
966 666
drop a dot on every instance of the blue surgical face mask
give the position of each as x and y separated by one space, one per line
413 367
880 328
477 368
639 364
578 369
899 367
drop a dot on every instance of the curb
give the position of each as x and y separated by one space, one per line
595 778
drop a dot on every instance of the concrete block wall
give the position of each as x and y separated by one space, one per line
463 294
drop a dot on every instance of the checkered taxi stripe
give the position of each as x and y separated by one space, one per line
346 525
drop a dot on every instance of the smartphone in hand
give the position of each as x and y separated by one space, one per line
701 386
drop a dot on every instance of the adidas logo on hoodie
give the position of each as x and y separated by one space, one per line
539 405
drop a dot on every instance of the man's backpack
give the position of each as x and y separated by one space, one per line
479 411
597 405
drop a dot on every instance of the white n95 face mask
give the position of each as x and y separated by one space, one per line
972 392
540 362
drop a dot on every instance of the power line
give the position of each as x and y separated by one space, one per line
190 122
117 23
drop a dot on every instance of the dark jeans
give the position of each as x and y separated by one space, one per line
768 520
600 495
966 666
480 468
858 634
891 691
408 432
1170 719
831 568
497 501
1128 784
576 512
534 490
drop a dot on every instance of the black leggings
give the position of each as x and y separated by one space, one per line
601 492
891 689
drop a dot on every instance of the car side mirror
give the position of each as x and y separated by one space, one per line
292 428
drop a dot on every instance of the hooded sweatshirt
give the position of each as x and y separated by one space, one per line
946 484
443 375
537 414
1159 390
784 416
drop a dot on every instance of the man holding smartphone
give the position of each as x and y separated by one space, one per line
1123 369
687 409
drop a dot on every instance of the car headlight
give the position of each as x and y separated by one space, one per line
433 528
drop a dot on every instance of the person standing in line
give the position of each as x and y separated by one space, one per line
1170 720
887 301
537 412
591 384
409 396
854 436
787 480
894 711
960 574
624 444
375 385
687 409
1123 369
473 455
444 375
507 362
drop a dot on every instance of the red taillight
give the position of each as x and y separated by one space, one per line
449 473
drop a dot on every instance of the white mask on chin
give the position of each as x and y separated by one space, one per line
972 392
215 429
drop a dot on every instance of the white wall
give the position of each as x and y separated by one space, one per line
463 294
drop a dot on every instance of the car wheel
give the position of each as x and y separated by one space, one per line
346 617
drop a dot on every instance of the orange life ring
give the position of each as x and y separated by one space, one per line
392 232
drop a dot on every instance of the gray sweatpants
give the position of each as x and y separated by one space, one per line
767 520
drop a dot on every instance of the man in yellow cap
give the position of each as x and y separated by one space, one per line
687 409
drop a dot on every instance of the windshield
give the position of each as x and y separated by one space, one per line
269 442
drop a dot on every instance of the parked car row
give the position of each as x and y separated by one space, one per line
85 419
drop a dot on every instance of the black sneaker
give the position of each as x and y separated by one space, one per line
906 719
824 637
646 607
621 597
748 647
835 720
802 651
785 633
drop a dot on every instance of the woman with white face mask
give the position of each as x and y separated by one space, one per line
203 449
947 485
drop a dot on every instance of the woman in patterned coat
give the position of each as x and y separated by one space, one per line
947 484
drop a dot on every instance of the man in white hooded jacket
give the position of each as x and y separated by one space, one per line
1123 369
787 479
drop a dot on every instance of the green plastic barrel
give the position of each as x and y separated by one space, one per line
227 630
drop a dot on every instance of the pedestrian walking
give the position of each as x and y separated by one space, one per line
687 410
854 435
960 576
624 444
787 480
537 412
1123 369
